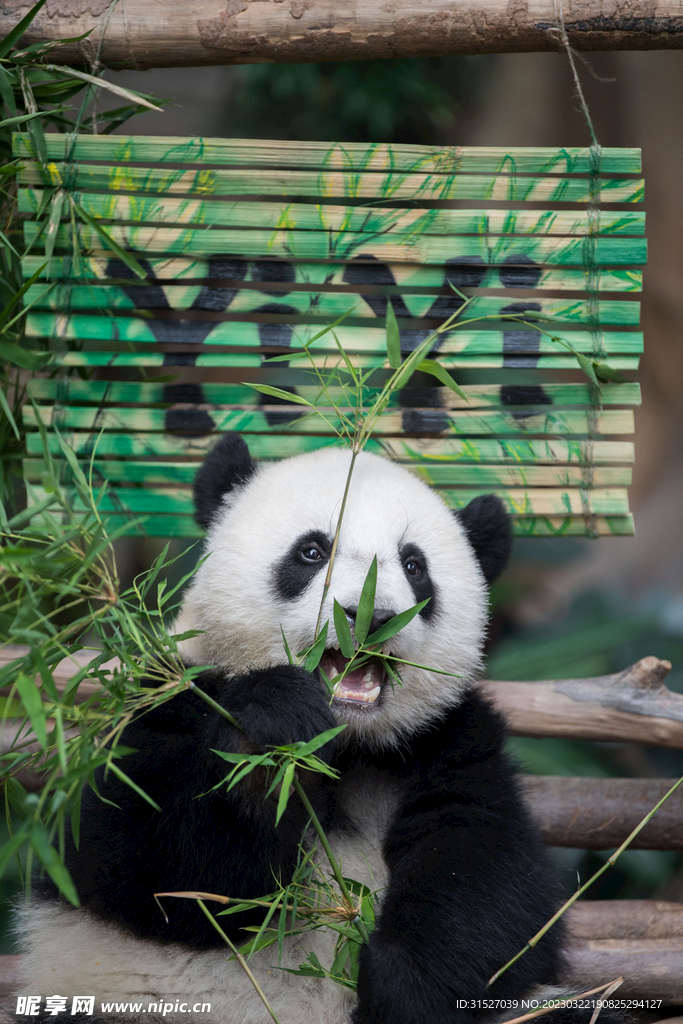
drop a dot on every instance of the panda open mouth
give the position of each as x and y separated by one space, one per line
361 686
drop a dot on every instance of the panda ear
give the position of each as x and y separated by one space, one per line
227 465
489 531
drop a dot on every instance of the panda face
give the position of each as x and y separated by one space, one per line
270 543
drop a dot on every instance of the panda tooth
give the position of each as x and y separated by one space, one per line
367 678
373 694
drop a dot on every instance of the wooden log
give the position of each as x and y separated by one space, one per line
651 968
9 965
624 919
641 939
147 34
599 814
631 705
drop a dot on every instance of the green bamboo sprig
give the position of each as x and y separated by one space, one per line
238 956
284 763
580 891
336 870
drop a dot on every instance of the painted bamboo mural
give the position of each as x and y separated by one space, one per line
210 258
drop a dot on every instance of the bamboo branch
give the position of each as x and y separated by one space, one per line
142 33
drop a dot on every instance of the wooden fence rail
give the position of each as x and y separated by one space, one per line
142 33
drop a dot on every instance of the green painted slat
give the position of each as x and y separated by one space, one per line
553 451
240 334
522 526
72 389
558 526
518 501
243 361
358 219
426 188
409 277
353 155
316 304
325 245
157 474
460 422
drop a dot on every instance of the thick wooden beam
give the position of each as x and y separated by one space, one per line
146 33
624 919
639 939
651 968
631 705
599 814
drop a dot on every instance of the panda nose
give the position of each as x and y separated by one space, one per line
380 616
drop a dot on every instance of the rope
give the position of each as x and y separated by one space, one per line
592 271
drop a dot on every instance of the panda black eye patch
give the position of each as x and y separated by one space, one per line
416 569
302 563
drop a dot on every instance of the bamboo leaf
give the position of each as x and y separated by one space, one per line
11 121
319 741
395 625
284 792
317 650
53 222
606 373
193 895
366 604
102 84
34 707
290 656
52 863
4 405
393 338
438 371
133 785
12 846
23 357
122 254
18 296
343 631
13 37
586 365
6 90
265 389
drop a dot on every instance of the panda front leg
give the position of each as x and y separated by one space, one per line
469 884
215 841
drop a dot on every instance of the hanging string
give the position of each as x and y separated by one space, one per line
592 271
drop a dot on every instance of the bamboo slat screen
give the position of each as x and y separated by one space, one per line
252 246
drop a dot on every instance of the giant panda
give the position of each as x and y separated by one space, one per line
426 809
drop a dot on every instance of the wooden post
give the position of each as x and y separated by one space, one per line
146 33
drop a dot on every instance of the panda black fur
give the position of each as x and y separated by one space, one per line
426 808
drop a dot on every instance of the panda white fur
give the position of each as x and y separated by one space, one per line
426 808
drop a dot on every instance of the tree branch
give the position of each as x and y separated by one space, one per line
634 705
598 814
143 33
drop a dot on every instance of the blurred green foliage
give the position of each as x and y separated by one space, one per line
408 101
600 634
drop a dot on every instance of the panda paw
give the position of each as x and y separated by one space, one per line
279 705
